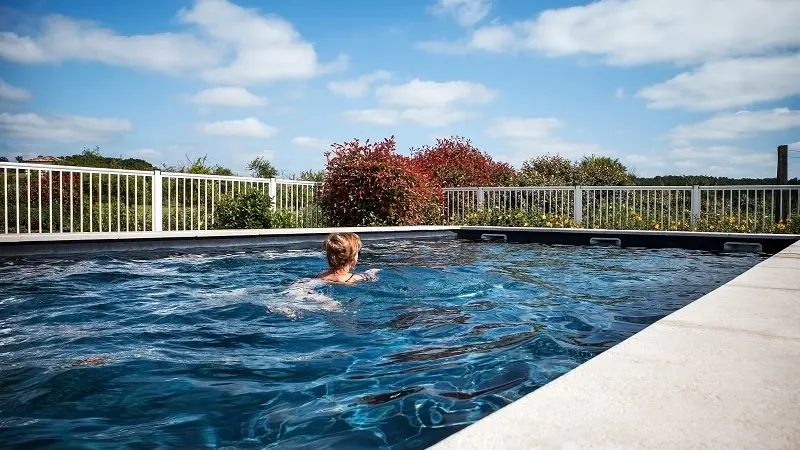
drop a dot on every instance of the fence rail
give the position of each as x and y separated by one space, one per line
39 198
742 208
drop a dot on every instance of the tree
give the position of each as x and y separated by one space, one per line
370 184
93 158
548 170
3 159
603 171
19 159
199 166
312 175
455 162
260 167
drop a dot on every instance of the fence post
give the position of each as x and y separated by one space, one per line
156 202
695 205
577 204
480 197
273 193
780 196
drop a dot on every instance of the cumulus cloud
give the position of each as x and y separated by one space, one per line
426 103
63 128
12 93
227 96
249 127
311 142
224 43
465 12
737 125
530 137
744 51
728 84
725 161
634 32
358 87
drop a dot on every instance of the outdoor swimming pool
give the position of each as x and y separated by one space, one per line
218 350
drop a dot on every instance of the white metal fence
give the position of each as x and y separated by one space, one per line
64 199
41 198
750 208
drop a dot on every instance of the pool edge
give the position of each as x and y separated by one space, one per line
61 244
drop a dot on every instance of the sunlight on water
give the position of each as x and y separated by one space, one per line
245 350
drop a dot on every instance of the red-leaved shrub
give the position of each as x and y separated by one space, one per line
455 162
370 184
55 186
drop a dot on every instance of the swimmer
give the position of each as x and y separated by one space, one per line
342 250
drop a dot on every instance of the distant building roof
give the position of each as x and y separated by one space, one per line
43 159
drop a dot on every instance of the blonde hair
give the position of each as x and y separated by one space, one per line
341 249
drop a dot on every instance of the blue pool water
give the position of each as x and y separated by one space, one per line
221 350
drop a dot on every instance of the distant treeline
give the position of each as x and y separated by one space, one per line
702 180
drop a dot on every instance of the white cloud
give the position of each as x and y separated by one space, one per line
13 93
739 41
227 96
738 125
418 93
224 43
425 103
530 137
64 128
794 146
632 32
723 161
358 87
635 32
62 39
491 38
249 127
466 12
728 84
266 48
311 142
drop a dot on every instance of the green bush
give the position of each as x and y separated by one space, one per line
285 219
554 170
498 217
548 170
793 224
247 209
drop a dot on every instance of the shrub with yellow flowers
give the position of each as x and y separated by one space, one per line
499 217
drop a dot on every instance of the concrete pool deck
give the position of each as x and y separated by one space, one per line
721 373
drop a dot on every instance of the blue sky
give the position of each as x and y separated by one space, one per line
667 86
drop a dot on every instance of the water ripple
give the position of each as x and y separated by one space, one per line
233 349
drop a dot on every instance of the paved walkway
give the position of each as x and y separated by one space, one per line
721 373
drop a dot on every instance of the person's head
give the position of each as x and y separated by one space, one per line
342 250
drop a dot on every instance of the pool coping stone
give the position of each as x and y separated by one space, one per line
52 244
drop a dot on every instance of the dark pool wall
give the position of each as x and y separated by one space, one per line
769 244
103 244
